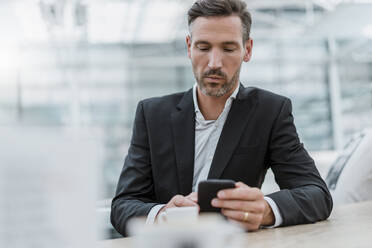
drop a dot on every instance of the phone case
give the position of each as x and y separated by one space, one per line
208 189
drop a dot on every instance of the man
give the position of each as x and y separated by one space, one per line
219 129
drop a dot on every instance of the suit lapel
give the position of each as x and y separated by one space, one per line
240 113
183 126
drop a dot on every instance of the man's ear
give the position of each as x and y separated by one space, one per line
248 50
188 43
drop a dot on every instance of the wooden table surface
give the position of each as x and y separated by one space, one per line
348 226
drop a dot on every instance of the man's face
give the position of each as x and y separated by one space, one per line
216 50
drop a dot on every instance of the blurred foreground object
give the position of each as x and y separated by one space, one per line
208 230
350 177
48 187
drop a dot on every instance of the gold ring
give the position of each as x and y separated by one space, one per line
245 216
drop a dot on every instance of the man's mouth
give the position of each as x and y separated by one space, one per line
215 77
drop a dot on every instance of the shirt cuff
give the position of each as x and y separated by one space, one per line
153 213
277 215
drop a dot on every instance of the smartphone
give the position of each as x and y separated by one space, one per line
208 189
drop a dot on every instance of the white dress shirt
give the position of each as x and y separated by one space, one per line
207 134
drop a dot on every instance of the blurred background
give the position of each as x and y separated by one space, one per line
85 64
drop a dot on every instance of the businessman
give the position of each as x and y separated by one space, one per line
219 130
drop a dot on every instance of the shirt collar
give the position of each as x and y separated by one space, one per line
195 99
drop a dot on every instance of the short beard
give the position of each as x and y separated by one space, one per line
226 87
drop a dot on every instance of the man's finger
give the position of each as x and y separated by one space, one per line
184 202
252 218
242 193
241 185
251 206
193 196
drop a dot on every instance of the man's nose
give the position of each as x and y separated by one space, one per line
215 59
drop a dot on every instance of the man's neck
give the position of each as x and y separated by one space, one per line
211 106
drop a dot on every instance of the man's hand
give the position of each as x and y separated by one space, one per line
245 205
181 201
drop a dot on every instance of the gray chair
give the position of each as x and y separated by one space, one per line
350 177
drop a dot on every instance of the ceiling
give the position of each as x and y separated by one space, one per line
164 21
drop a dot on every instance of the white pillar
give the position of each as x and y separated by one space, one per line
335 96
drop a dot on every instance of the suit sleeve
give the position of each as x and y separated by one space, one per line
304 196
135 191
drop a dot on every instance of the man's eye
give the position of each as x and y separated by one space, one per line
228 50
203 48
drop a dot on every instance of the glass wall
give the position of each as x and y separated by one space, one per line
75 74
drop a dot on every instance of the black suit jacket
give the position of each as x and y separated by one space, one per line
258 133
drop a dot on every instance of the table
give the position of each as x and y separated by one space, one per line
348 226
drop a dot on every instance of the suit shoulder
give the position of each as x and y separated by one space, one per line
266 95
170 100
